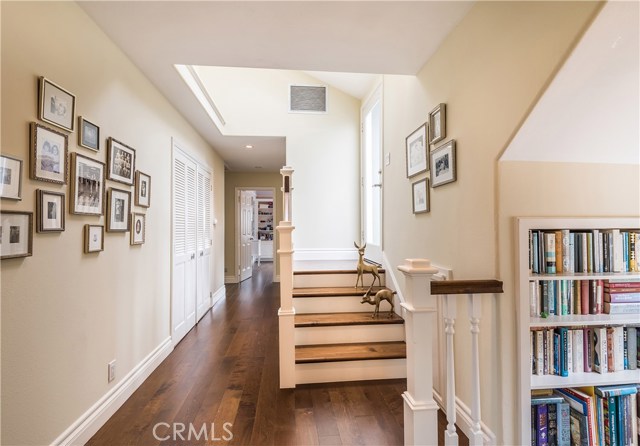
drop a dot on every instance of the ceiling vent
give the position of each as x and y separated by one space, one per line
307 99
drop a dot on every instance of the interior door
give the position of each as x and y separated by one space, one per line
245 231
204 243
183 307
371 156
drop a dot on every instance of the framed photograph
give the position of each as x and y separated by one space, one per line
10 177
16 234
87 186
118 210
93 238
121 161
437 123
143 189
88 134
56 105
420 192
137 229
50 211
416 146
443 164
48 154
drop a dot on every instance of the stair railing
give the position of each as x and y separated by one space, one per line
286 312
419 312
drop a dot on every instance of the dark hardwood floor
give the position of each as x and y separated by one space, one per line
226 371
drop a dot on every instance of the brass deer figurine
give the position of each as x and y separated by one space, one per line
365 267
379 297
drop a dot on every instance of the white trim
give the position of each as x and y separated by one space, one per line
463 419
220 293
277 278
230 279
325 254
193 81
93 419
389 273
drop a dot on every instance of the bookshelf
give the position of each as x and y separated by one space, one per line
264 228
528 381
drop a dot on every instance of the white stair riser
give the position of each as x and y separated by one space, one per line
339 304
326 372
332 280
349 334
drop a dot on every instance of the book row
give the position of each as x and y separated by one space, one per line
593 251
563 351
599 416
571 297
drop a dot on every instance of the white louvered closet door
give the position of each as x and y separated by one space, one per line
204 241
183 311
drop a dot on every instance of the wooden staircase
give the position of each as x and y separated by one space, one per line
336 338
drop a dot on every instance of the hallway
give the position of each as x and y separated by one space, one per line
226 371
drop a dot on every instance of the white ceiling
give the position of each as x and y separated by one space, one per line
361 37
591 111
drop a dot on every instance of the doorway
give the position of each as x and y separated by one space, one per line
371 159
255 229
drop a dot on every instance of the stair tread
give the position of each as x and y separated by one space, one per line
350 352
330 271
339 319
333 291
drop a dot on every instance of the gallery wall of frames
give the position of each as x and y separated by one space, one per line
440 160
82 172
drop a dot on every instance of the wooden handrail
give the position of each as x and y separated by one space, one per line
466 287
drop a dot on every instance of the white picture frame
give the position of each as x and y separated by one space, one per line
10 178
416 151
49 150
93 238
87 186
420 196
16 234
118 210
121 162
138 227
443 164
56 105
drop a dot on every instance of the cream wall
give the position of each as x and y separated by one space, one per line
489 71
233 180
66 314
324 149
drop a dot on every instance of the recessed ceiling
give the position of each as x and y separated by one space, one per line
381 37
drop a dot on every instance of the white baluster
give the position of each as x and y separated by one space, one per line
475 311
420 411
450 435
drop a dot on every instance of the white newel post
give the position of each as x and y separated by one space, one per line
286 313
419 309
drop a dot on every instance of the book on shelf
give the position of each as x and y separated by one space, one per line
564 351
582 251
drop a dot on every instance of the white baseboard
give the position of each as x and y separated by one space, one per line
219 294
463 419
277 278
230 279
325 254
81 431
